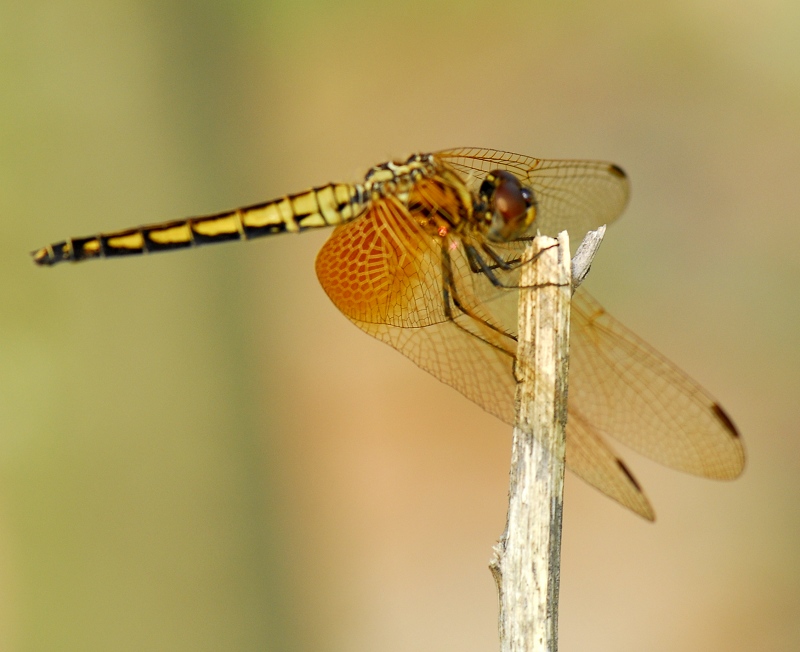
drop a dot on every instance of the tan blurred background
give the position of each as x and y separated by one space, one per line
197 452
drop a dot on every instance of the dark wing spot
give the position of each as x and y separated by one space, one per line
725 419
617 171
629 474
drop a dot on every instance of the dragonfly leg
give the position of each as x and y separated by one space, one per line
452 299
480 266
499 262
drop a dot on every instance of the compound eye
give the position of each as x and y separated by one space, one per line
509 200
510 205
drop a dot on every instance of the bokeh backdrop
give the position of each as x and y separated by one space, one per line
197 452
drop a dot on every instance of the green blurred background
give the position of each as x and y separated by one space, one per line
197 452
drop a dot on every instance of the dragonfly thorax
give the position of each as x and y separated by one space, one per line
432 194
398 178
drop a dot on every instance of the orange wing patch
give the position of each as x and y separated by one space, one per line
382 268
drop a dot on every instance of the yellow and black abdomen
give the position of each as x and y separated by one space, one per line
319 207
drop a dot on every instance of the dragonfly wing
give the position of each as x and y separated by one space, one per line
590 458
574 195
629 391
387 278
481 372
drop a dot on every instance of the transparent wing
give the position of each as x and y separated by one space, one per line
590 458
574 195
387 276
619 384
627 390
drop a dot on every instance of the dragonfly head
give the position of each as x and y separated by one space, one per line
510 207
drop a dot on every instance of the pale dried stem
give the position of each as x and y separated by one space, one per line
526 562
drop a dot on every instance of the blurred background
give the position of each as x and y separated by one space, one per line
198 452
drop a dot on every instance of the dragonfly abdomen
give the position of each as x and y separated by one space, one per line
319 207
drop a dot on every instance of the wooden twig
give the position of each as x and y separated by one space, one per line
526 562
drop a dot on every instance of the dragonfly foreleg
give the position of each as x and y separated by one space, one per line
452 299
499 261
479 266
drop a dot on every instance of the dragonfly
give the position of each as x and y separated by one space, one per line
426 255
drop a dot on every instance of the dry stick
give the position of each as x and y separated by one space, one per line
527 559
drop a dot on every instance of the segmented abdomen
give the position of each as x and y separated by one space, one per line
319 207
